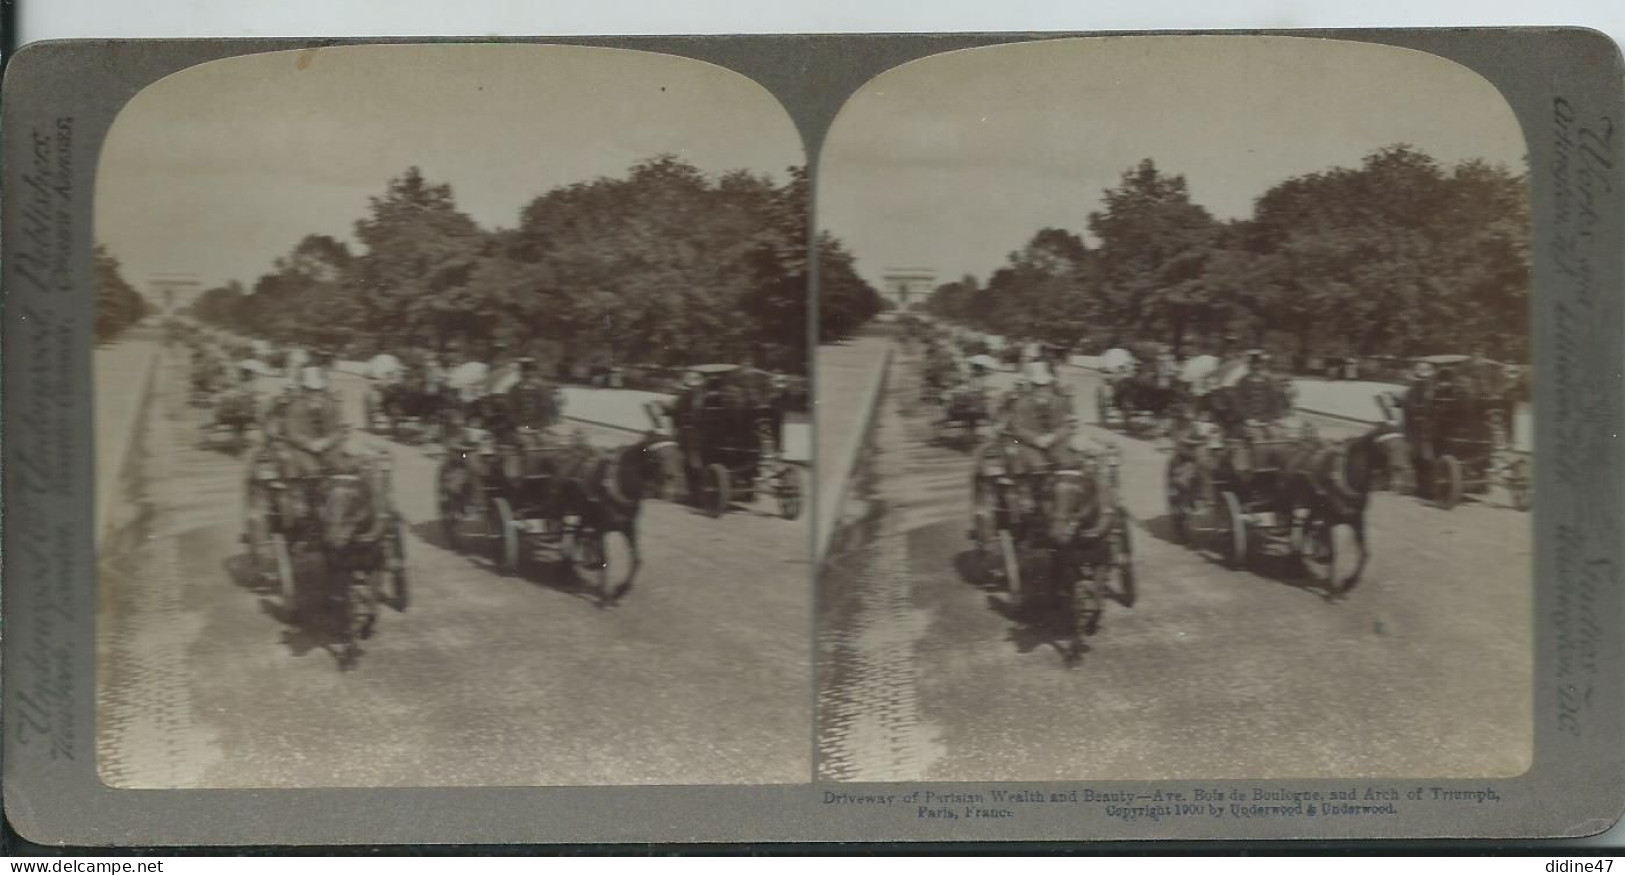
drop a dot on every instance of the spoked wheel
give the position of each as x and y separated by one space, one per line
1122 559
1318 553
282 565
257 528
718 489
588 560
1087 607
395 567
604 561
789 492
984 534
360 614
1447 482
1181 506
457 498
508 526
1520 486
1231 530
1012 566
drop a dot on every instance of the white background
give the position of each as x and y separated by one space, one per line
52 19
62 19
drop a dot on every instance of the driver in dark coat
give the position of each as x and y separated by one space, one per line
684 412
1039 430
311 437
533 411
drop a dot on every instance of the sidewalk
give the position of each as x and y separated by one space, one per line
123 372
850 374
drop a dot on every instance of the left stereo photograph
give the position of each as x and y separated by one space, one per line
452 424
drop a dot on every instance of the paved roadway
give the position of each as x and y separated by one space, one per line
1423 670
700 676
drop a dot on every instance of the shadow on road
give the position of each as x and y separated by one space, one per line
1043 620
540 565
1269 559
316 618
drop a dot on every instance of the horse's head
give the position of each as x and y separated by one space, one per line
1074 504
347 510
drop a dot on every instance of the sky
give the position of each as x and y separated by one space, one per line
219 169
953 161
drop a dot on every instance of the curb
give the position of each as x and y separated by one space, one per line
849 457
130 433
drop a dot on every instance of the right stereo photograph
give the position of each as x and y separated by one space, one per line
1174 417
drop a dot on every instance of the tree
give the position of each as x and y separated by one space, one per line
118 304
1154 248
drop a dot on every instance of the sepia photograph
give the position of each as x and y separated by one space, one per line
452 424
1191 436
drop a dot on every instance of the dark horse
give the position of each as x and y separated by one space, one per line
412 398
1080 517
1334 482
352 528
605 490
1152 390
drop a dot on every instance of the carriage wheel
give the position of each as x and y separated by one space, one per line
984 533
1520 487
1318 552
603 560
1232 530
1012 566
1123 559
1447 483
1179 503
1086 599
718 489
282 562
360 615
789 492
590 562
395 566
508 549
256 526
452 510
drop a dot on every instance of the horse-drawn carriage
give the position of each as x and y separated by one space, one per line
345 525
965 407
233 413
209 376
1460 419
1061 549
1244 488
401 398
938 372
1140 387
578 501
732 441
